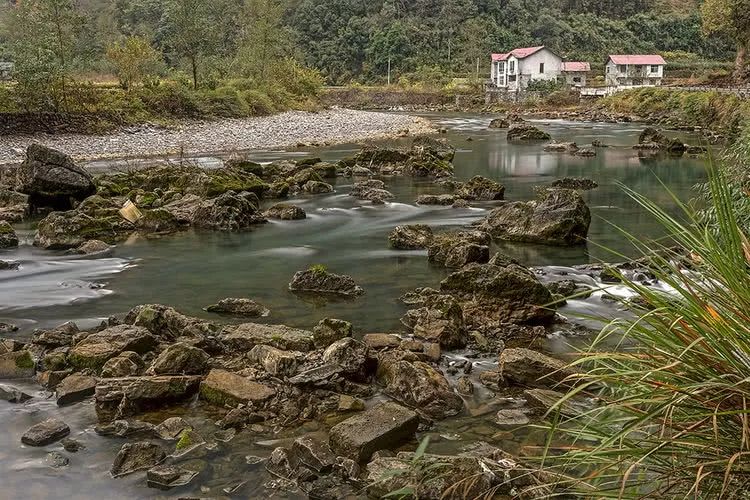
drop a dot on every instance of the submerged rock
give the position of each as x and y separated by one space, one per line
532 368
557 217
45 433
64 230
577 183
51 178
12 395
457 248
436 199
14 206
133 457
382 427
411 237
285 211
527 132
8 237
8 265
94 247
480 188
239 307
228 212
119 398
561 147
317 279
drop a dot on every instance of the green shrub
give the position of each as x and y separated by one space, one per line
224 102
257 102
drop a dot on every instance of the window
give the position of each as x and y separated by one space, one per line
621 68
512 79
501 67
654 68
576 79
541 67
608 69
512 67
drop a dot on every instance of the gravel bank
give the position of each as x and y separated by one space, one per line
268 132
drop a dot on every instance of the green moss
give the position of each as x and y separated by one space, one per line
185 440
5 228
25 361
318 268
217 398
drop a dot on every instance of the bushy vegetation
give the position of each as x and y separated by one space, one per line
669 385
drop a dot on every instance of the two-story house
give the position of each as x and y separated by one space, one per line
634 70
514 70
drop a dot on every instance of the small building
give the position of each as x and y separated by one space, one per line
6 70
514 70
575 73
634 70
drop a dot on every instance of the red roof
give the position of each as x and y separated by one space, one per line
517 53
576 67
638 59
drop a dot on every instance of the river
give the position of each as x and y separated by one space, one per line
192 270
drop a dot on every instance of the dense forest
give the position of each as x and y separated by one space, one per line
352 40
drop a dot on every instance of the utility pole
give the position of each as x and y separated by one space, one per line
477 68
389 70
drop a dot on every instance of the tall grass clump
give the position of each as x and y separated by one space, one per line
671 412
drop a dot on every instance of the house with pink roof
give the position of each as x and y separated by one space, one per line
634 70
515 69
575 73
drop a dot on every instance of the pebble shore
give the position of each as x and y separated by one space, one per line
268 132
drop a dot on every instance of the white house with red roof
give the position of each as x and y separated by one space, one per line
575 73
515 69
634 70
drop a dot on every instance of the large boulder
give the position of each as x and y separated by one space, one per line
352 358
45 433
330 330
14 206
558 217
385 426
318 280
8 237
239 307
16 364
71 229
75 388
480 188
285 211
118 398
133 457
224 388
181 359
457 248
420 386
275 361
527 132
229 211
51 178
499 292
243 337
94 350
169 324
411 237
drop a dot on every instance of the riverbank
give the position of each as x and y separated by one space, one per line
284 130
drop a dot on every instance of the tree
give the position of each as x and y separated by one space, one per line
190 32
731 18
263 40
133 59
42 36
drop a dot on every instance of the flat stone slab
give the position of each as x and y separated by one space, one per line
384 426
247 335
75 388
45 433
118 398
226 388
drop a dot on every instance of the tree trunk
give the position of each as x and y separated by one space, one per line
741 69
194 66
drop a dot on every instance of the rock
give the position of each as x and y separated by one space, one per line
165 477
512 418
350 403
12 395
8 237
16 364
652 136
330 330
169 324
384 426
119 398
561 147
313 454
456 249
64 230
45 433
244 337
61 336
159 220
317 187
544 400
596 143
532 368
97 348
440 321
126 364
171 428
420 386
499 123
480 188
50 379
410 237
577 183
51 178
75 388
133 457
376 196
429 146
317 279
696 150
436 199
71 445
228 212
285 211
55 459
352 357
181 359
239 307
6 265
585 152
224 388
465 386
379 341
361 188
527 132
94 247
275 361
676 147
14 206
499 293
557 217
125 428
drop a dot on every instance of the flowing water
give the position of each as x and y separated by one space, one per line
192 270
